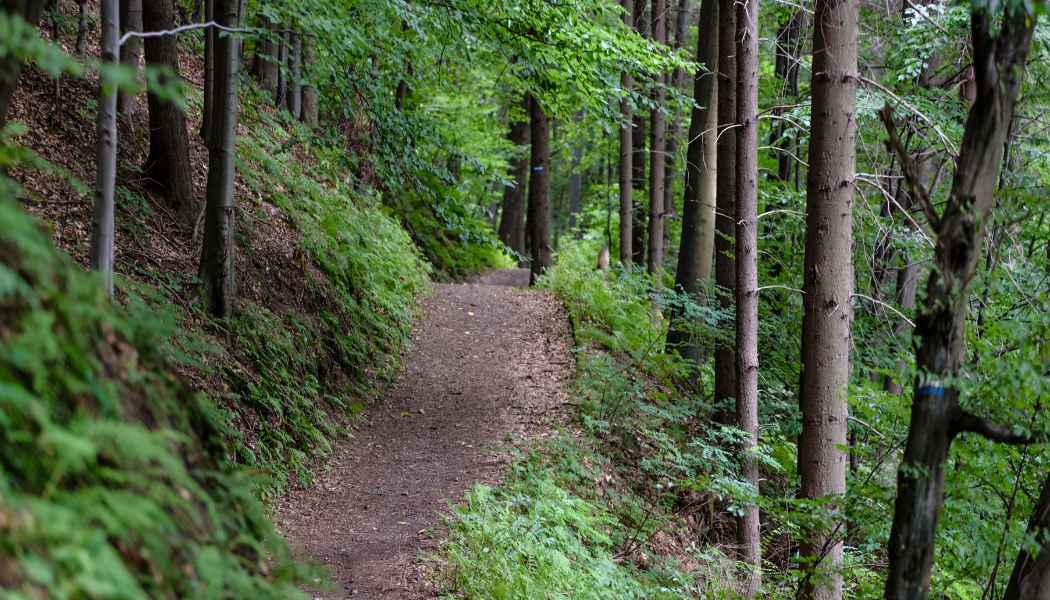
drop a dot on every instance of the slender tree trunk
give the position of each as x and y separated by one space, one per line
940 327
639 137
293 102
575 177
11 62
827 287
282 78
264 66
677 82
130 54
907 278
698 214
626 154
1030 579
748 536
102 230
512 221
309 108
539 209
82 27
217 266
168 163
657 143
210 36
725 185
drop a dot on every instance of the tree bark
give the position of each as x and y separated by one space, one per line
82 27
265 68
11 62
539 209
657 143
827 291
102 230
698 209
512 220
725 185
309 108
749 537
168 162
294 99
677 82
211 35
626 156
216 270
575 177
282 78
1030 579
130 54
940 326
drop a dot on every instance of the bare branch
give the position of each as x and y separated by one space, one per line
151 34
911 176
993 431
881 303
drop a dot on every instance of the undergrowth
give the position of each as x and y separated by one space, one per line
114 481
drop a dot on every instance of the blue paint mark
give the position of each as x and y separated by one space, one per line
931 390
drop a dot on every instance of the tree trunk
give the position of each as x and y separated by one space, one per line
748 536
210 36
265 68
575 177
130 54
102 230
725 185
282 78
293 102
512 221
626 156
217 266
1030 579
11 62
907 278
654 262
940 326
695 249
82 27
309 108
827 287
677 82
168 162
539 210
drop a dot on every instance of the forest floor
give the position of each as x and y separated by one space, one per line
488 371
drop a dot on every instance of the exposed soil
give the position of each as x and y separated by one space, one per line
489 365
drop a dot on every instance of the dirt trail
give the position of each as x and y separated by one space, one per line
471 380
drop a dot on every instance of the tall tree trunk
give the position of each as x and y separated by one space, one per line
626 155
264 66
82 29
130 54
309 108
11 62
639 137
102 230
940 326
282 77
698 214
725 186
677 81
657 141
827 290
539 210
293 101
210 36
168 162
748 532
575 177
216 270
512 220
1030 579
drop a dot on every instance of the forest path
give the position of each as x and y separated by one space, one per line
471 380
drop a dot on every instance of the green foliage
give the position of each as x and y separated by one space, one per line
114 481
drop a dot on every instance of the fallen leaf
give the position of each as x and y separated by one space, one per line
405 414
402 523
470 313
421 531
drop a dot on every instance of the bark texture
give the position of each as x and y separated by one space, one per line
654 262
294 96
102 230
626 156
216 270
264 65
82 28
130 54
11 62
725 185
308 114
827 288
748 535
210 35
512 218
1030 579
697 244
539 209
936 416
168 162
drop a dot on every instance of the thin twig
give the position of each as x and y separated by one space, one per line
181 29
911 175
899 313
944 139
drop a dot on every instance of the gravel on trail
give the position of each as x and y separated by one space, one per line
489 361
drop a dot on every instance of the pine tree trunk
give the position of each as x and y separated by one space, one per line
512 220
657 143
102 230
10 63
130 54
539 209
293 102
725 185
217 265
309 108
940 326
748 532
168 162
82 29
696 246
827 287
